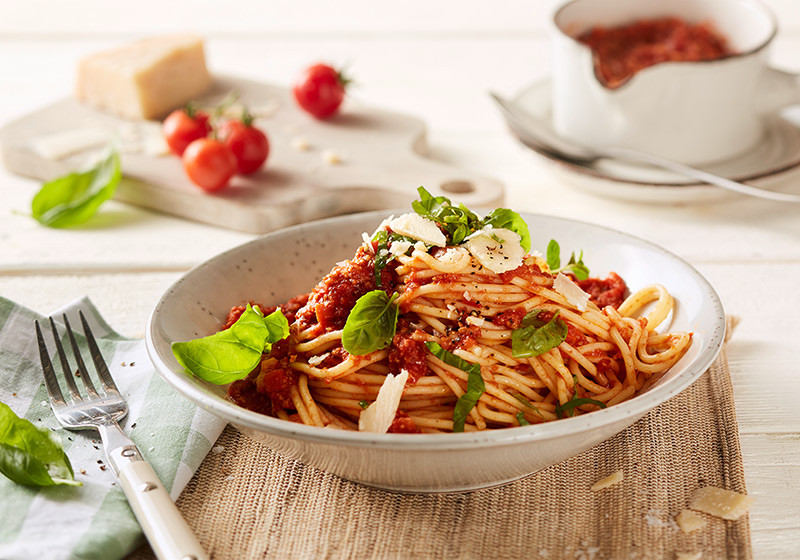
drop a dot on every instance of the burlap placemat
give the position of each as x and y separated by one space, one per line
248 502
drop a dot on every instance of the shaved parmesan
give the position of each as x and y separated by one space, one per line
379 415
497 249
689 521
571 291
400 247
610 480
720 503
418 227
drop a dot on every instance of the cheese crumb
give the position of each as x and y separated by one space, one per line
688 555
300 144
400 247
217 449
571 291
331 157
720 502
610 480
477 321
380 414
689 521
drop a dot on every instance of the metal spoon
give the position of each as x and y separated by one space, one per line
540 136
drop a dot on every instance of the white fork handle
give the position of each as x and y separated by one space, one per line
162 522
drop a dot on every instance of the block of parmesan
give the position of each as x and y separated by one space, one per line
720 503
145 79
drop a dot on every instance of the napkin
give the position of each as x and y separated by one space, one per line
93 520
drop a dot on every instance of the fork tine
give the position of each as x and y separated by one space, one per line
97 358
73 388
50 381
84 373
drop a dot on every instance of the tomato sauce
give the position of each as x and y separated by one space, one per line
408 354
604 292
620 52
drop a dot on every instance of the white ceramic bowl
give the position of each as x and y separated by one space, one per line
280 265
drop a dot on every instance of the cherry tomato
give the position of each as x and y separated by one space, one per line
209 163
183 126
320 90
248 144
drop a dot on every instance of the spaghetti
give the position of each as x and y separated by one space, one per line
477 348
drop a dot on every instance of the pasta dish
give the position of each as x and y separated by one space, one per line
445 322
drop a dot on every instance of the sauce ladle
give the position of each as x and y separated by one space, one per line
540 137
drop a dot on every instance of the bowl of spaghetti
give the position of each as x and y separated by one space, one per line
443 351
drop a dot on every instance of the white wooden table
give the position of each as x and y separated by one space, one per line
436 60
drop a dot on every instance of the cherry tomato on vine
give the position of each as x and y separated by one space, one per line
209 163
320 90
183 126
248 143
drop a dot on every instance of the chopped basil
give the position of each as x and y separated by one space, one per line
72 199
384 239
568 408
527 403
363 404
521 419
458 222
575 266
535 337
371 324
233 353
475 385
31 455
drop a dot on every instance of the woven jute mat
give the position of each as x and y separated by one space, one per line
248 502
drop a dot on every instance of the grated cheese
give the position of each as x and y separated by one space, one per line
498 256
610 480
300 144
331 157
477 321
571 291
689 521
380 414
420 228
400 247
720 503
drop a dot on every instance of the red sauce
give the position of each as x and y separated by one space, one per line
510 319
331 301
289 310
610 291
403 424
409 354
526 271
276 381
620 52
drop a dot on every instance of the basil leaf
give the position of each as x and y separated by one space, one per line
231 354
382 255
505 218
475 385
535 337
371 324
457 222
31 455
74 198
580 270
521 419
553 256
363 404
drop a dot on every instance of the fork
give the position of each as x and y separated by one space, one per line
166 530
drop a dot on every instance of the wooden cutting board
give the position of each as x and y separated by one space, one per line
382 163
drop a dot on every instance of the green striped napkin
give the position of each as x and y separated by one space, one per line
92 521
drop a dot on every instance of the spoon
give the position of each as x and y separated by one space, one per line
540 137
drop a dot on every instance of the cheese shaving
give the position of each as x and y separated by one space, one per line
420 228
571 291
720 502
497 249
400 247
610 480
689 521
380 414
